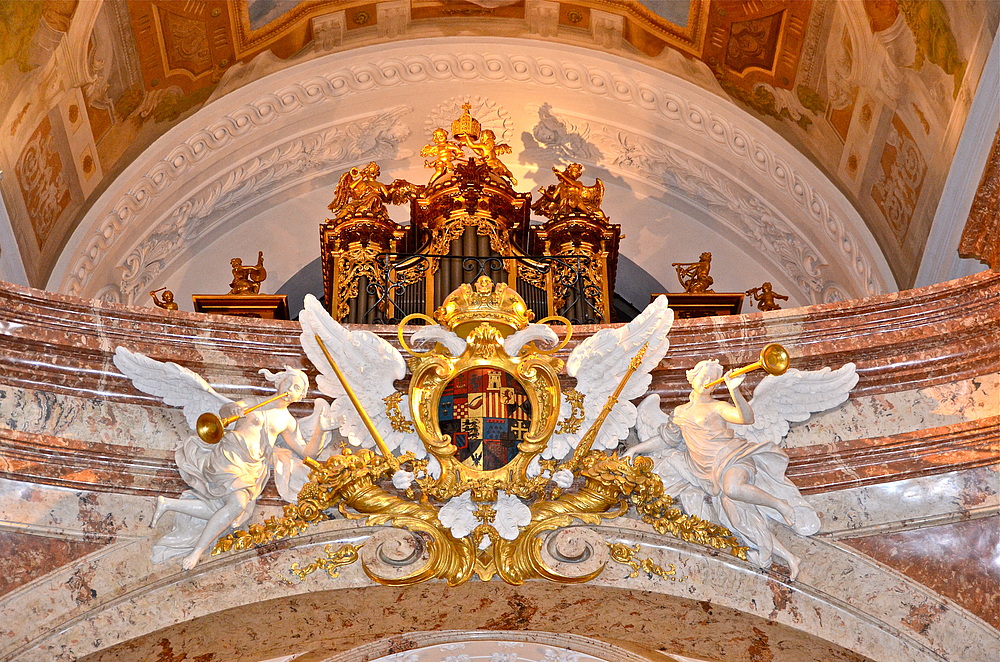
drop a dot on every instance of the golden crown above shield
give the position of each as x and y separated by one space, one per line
486 455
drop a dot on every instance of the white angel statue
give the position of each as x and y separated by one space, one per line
724 460
226 479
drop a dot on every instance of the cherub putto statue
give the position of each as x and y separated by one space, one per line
487 149
443 153
724 460
570 195
226 478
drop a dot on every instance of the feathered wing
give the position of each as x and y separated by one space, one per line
793 397
369 364
176 385
343 193
600 362
649 417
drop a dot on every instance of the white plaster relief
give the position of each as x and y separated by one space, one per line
375 136
490 114
569 74
329 29
741 210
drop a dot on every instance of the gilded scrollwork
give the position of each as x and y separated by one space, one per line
472 518
571 424
622 553
331 563
396 418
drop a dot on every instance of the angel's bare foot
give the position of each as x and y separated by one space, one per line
161 507
191 560
788 513
793 567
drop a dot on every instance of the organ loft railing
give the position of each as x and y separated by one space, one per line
467 221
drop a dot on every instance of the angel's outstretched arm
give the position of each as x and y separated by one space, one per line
651 445
740 412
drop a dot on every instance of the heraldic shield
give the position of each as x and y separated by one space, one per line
486 412
485 407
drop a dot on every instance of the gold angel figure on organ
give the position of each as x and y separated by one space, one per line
167 303
570 195
487 149
247 280
442 153
765 297
693 276
360 193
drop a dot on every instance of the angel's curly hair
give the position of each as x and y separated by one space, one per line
280 379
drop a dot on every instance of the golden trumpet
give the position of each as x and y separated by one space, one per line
773 359
211 426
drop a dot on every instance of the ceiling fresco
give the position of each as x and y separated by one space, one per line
874 93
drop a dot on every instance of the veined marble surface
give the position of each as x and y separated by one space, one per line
895 470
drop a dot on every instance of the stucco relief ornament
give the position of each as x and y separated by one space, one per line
226 470
485 462
724 461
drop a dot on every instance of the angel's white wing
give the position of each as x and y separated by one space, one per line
649 417
369 364
435 333
600 362
175 384
792 397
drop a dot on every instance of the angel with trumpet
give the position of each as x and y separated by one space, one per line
725 461
226 470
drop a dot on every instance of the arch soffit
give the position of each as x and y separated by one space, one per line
135 600
695 145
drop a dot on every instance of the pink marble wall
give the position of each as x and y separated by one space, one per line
959 560
895 471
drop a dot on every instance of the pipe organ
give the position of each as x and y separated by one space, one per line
467 221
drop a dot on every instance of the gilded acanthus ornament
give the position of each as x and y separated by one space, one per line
484 477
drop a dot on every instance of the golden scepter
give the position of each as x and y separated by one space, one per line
588 438
386 453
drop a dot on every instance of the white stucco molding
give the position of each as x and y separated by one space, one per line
203 146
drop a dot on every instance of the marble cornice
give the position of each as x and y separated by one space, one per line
98 467
869 461
55 355
900 341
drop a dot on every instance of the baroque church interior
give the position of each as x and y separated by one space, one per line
843 153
